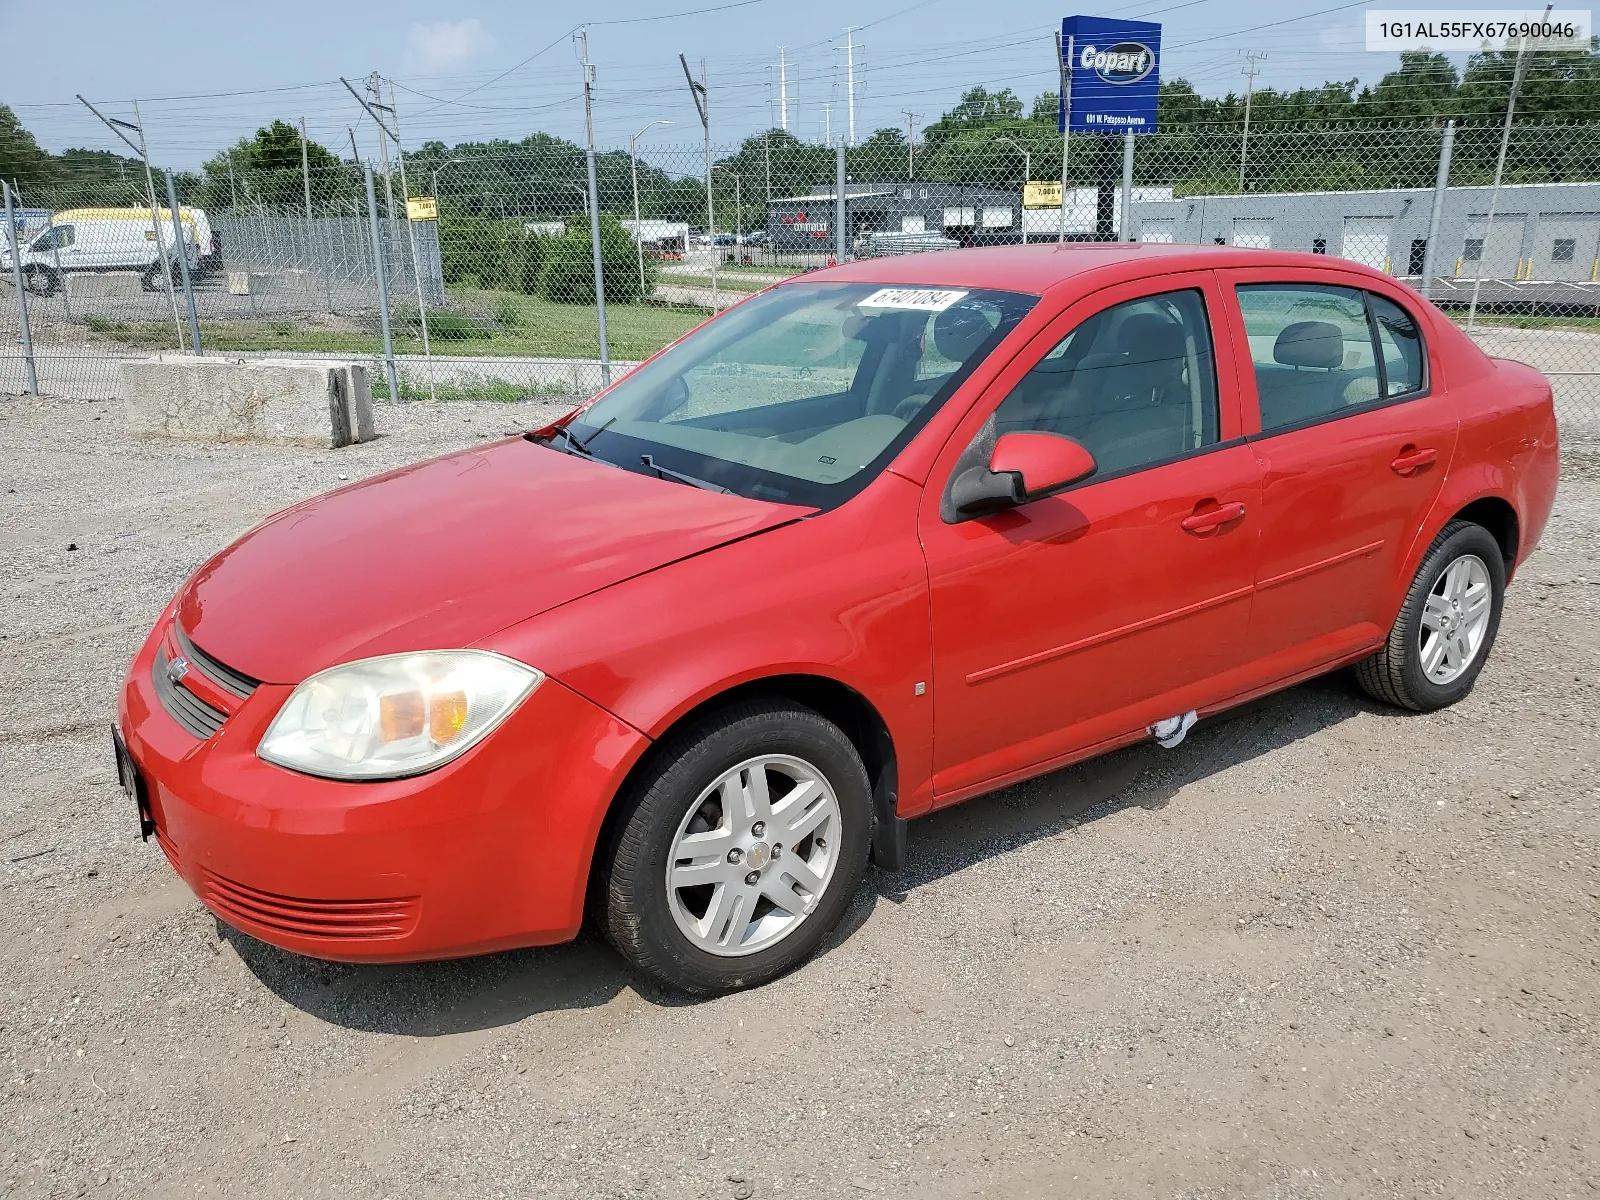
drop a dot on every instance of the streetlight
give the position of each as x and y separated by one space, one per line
449 162
1027 174
638 233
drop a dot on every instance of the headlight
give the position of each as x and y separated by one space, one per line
402 714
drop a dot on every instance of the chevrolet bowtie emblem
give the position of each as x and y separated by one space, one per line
177 669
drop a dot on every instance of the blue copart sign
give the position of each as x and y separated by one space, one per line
1113 74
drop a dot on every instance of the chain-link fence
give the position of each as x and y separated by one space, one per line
492 288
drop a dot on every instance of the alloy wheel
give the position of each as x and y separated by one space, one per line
1455 618
753 855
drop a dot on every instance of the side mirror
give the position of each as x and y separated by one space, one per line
1024 466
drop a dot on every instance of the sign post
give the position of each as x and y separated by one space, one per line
1110 82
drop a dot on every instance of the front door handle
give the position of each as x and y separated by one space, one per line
1412 459
1213 518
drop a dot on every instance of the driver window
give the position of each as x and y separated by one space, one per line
1135 384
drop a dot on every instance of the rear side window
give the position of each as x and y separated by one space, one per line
1401 346
1134 383
1320 350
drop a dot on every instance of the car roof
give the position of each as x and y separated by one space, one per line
1036 267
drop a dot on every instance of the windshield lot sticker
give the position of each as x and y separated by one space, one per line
916 299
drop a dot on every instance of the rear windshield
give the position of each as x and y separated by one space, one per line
803 393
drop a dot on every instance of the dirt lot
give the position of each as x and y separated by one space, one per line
1320 950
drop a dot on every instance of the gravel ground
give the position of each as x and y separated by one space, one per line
1320 950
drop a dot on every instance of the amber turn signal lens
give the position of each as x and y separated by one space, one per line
447 716
400 715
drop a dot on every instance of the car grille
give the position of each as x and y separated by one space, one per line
348 919
226 678
199 717
182 705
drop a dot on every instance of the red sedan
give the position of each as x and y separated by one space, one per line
870 543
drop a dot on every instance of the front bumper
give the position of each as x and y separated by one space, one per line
489 852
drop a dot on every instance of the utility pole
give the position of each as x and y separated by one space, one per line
416 265
702 105
305 166
783 92
850 78
143 151
582 37
827 124
1252 57
375 89
911 141
355 154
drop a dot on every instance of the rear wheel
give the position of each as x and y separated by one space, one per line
741 851
1446 626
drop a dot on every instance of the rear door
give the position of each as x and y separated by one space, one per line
1353 433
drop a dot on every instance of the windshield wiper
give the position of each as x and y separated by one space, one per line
577 446
669 473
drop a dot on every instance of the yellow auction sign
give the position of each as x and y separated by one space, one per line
426 208
1041 194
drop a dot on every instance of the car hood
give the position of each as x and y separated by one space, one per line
445 553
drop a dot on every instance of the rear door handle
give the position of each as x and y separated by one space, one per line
1213 518
1412 459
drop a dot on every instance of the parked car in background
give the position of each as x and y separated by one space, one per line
871 542
113 239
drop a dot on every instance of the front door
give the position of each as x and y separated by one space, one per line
1353 444
1084 616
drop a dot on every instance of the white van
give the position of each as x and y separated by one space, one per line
109 239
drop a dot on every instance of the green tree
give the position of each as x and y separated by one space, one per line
265 171
567 273
22 161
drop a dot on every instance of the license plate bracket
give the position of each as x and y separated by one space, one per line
132 780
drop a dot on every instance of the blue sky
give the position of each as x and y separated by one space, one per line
208 75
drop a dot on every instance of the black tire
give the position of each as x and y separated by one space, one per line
151 279
41 280
1395 673
631 901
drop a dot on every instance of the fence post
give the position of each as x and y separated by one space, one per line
1441 184
378 266
1127 185
600 270
22 292
840 240
183 262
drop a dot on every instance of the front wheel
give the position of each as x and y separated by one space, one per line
41 280
151 279
1446 626
741 850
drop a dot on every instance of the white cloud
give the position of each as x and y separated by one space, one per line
445 44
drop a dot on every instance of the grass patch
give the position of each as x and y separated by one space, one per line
527 327
1518 321
493 388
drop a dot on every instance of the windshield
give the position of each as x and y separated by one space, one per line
800 394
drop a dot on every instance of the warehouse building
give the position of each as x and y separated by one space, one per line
1542 232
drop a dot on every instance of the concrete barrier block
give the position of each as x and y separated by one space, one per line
288 281
84 286
215 399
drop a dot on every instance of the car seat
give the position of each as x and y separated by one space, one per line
958 333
